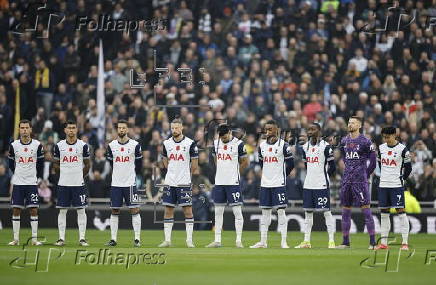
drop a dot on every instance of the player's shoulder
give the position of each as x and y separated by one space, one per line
382 146
133 142
112 143
188 140
36 142
15 143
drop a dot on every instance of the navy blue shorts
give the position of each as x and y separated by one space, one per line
391 197
71 196
223 194
316 199
173 196
129 194
24 196
273 197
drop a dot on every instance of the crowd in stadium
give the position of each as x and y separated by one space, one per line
294 61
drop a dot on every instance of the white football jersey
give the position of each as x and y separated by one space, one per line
25 157
179 155
227 161
391 161
71 164
273 157
123 158
316 158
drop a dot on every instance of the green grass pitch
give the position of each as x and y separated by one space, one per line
226 265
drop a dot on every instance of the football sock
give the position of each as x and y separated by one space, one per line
369 222
34 226
405 227
62 223
16 227
346 225
114 226
219 212
308 222
283 224
385 227
168 227
136 224
330 224
265 221
189 228
239 222
81 223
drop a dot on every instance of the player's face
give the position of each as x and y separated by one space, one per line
176 129
353 125
71 131
226 138
389 139
271 130
122 130
25 130
312 131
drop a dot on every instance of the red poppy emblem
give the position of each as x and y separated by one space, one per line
313 149
177 147
270 149
122 149
389 152
25 149
225 147
71 149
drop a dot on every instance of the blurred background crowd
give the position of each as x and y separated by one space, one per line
294 61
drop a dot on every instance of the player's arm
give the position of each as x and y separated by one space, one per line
11 158
86 160
243 158
163 163
56 159
259 152
379 158
40 162
110 156
214 154
193 153
303 157
328 152
138 159
407 163
289 159
372 160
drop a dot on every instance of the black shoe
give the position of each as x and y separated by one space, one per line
111 243
136 243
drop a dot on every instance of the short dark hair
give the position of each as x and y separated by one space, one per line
122 121
272 122
223 129
389 130
70 122
25 121
357 118
177 121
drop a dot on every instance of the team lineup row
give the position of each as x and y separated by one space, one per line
180 158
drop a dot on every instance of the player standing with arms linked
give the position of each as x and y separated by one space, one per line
395 167
125 157
26 161
180 158
320 164
276 160
356 150
230 160
71 162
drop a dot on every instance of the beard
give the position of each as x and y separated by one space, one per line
121 135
